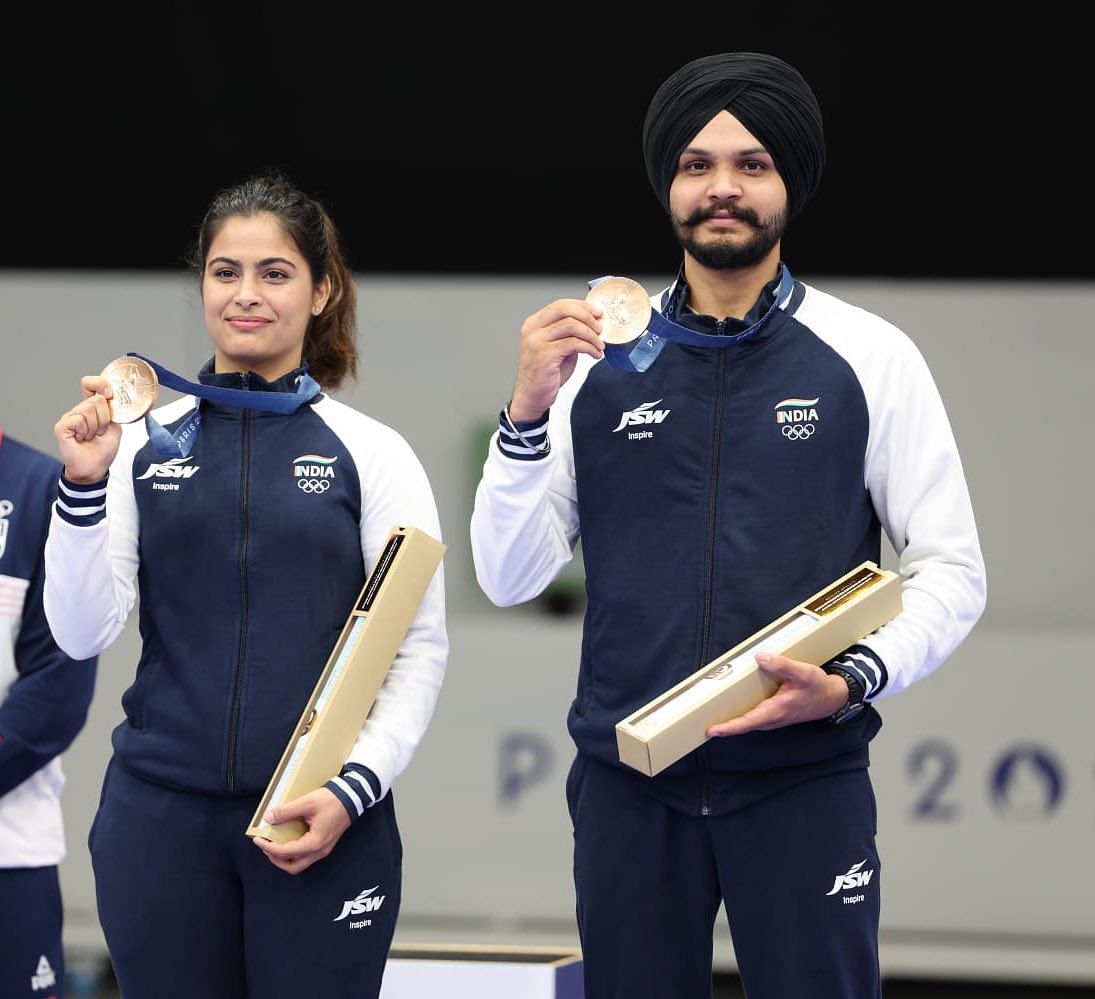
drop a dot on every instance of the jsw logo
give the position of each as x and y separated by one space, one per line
173 468
855 878
363 903
642 414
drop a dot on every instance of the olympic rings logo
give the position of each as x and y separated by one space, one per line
799 432
314 485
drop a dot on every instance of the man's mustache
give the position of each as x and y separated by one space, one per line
738 212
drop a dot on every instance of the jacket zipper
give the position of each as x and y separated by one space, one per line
237 693
709 567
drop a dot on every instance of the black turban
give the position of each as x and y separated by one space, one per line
769 97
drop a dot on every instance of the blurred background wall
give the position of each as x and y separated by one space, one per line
474 182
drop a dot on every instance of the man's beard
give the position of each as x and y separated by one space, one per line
725 252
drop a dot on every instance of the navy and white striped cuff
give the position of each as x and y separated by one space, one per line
82 504
529 443
865 664
357 787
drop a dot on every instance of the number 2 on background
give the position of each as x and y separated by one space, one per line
938 761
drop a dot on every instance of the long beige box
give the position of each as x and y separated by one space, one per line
676 722
355 670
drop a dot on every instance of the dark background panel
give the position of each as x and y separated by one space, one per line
468 142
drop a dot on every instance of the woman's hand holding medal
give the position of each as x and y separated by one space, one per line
88 435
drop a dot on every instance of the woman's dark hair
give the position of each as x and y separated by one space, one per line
330 348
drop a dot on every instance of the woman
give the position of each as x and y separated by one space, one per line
246 568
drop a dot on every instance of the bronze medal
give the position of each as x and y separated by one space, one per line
626 308
135 386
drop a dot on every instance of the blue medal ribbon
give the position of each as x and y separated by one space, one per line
643 351
180 443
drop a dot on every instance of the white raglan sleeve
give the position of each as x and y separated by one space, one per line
91 556
915 478
524 523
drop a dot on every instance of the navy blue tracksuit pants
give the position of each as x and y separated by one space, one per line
31 953
797 873
191 907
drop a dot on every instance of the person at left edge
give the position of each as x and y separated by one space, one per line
247 555
44 700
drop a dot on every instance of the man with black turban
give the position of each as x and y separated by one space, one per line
720 469
769 98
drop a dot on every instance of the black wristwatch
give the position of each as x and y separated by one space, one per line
855 703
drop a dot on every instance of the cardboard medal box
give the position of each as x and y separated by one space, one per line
346 689
676 722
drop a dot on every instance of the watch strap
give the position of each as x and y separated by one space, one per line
854 705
